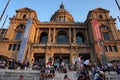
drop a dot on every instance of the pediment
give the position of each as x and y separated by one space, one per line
100 10
25 9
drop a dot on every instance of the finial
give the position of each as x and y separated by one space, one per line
62 6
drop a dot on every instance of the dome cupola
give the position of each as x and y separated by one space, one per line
62 15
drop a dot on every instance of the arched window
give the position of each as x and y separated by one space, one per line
44 37
21 26
105 32
19 31
80 38
61 18
24 16
61 38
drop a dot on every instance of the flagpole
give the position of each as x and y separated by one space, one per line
4 10
118 18
117 4
3 25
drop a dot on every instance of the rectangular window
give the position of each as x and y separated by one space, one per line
100 17
106 36
105 47
14 47
110 48
10 47
18 35
18 47
115 48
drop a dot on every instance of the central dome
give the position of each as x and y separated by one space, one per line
62 15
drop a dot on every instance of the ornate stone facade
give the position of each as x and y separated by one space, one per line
61 36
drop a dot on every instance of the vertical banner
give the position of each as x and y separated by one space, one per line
98 38
21 52
97 30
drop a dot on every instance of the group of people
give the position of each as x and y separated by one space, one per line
47 73
82 67
89 70
12 64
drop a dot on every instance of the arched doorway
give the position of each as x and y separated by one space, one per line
40 57
85 56
66 58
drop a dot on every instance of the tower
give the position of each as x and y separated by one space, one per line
105 34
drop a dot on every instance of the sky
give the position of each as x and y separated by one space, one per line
46 8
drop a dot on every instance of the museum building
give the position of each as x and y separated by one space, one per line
96 38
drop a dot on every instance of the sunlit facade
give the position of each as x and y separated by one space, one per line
62 36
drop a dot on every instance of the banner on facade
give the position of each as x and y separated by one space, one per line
21 52
98 38
97 30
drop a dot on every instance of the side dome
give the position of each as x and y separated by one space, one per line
62 15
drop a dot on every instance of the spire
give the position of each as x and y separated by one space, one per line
62 6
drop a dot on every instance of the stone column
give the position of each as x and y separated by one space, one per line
46 55
87 41
70 35
54 32
32 58
74 36
73 55
37 36
52 55
49 36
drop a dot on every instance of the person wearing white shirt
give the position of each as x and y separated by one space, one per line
87 63
79 62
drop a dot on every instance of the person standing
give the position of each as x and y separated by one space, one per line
61 59
87 64
60 63
21 77
66 77
79 62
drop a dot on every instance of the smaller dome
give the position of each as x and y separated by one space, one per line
61 6
62 15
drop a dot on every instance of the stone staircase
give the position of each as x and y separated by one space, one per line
6 74
72 75
112 76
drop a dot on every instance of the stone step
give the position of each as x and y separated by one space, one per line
14 74
6 74
72 75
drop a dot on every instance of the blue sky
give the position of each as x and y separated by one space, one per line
46 8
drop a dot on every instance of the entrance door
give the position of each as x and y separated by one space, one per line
66 58
40 58
85 56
